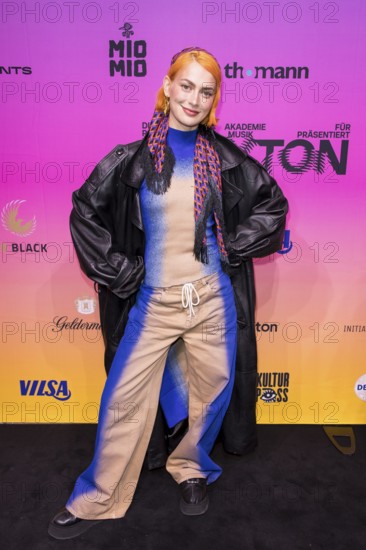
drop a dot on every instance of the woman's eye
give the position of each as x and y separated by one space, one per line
185 87
207 93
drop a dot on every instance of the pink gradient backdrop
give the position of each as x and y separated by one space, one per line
319 283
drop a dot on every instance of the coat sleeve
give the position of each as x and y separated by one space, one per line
91 227
261 226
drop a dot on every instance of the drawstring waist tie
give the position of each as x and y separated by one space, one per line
188 290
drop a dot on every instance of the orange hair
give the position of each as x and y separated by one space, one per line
209 63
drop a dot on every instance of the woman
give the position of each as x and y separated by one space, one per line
173 230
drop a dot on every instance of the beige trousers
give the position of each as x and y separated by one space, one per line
131 394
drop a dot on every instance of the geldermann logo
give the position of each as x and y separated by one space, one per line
234 70
12 221
63 323
45 388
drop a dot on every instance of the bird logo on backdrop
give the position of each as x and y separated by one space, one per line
12 222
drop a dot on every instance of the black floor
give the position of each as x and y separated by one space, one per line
295 492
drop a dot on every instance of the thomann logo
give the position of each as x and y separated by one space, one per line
237 71
13 223
45 388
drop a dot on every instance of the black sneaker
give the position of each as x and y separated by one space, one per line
194 501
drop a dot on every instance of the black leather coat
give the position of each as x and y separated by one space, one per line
108 234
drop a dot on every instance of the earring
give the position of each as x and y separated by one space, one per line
166 105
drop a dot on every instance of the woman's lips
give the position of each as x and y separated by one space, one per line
189 112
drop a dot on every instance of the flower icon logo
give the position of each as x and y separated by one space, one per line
127 30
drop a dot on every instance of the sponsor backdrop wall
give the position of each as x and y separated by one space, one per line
77 78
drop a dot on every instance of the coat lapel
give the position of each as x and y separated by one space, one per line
230 157
134 172
136 217
132 175
231 194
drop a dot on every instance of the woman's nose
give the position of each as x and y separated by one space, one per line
194 98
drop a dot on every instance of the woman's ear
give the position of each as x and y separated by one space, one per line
166 85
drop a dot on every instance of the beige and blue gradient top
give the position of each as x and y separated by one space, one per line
169 223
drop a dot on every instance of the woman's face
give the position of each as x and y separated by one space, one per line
191 94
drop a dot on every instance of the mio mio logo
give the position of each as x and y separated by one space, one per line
46 388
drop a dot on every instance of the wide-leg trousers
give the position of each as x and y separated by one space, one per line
131 394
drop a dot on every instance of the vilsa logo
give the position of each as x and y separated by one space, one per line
46 388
